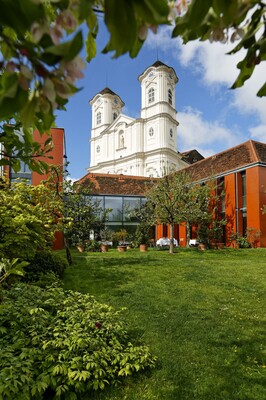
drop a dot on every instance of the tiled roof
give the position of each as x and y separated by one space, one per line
109 184
107 91
160 64
191 156
237 157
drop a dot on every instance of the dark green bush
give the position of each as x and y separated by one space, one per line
43 262
58 344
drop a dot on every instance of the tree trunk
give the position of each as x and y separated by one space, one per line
188 234
171 248
68 253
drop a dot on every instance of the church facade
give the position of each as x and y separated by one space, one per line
146 146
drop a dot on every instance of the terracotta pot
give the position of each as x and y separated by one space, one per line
202 246
122 249
143 247
104 248
80 248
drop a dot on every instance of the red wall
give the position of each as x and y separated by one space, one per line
57 154
255 201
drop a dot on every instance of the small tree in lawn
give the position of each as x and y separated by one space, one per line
167 197
177 199
199 206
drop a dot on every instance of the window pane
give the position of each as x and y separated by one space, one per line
129 205
115 203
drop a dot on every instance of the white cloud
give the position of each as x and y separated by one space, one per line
259 133
216 69
206 136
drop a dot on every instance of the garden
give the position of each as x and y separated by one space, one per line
202 315
159 324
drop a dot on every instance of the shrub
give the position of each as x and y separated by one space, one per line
93 245
62 344
43 262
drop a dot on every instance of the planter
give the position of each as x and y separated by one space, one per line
202 246
143 247
80 248
104 248
121 249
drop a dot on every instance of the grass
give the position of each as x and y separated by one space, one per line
201 313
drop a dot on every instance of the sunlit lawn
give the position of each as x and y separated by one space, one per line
201 313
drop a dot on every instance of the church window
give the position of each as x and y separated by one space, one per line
170 96
171 133
151 95
98 149
114 116
151 132
98 118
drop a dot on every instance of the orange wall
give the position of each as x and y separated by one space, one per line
256 199
57 152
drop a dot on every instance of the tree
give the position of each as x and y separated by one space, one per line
237 20
29 218
177 199
166 195
40 43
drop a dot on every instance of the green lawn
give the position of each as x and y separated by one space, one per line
201 313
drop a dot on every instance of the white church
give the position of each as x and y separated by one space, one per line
145 146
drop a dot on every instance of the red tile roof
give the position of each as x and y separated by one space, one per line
109 184
235 158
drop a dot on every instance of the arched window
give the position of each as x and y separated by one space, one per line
151 132
170 96
98 149
171 133
151 95
98 118
114 116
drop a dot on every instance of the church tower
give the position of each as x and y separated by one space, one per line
158 110
145 146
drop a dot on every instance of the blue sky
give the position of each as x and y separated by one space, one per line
211 117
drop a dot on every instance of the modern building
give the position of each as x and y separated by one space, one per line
240 171
146 146
125 152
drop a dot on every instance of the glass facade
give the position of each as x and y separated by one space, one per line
120 216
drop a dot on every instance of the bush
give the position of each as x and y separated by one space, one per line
59 344
43 262
93 245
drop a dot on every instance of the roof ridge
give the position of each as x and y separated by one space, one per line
254 150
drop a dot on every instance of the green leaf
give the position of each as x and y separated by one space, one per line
28 112
153 11
121 37
67 50
262 91
90 47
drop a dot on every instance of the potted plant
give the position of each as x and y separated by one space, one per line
203 236
106 235
120 237
142 236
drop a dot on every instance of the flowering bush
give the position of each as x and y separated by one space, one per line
62 344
